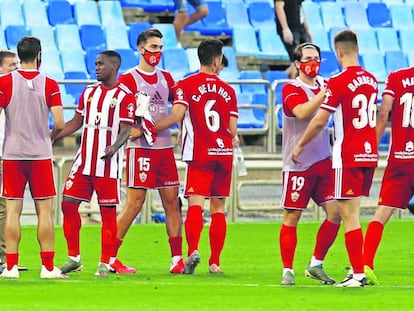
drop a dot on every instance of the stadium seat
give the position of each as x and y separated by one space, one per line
260 100
313 15
75 89
11 14
73 61
271 44
378 14
252 88
51 65
117 37
274 77
150 5
320 38
387 39
374 63
247 119
92 36
134 30
111 14
329 64
35 13
401 16
46 36
193 61
261 15
367 40
86 13
175 61
237 16
332 33
90 58
2 37
332 15
410 58
67 37
128 59
60 12
406 40
245 44
395 60
169 39
231 57
215 22
356 15
13 33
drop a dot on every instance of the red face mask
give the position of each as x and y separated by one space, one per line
152 58
310 68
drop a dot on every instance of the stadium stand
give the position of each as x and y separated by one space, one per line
73 61
401 17
51 65
128 59
35 13
378 14
271 44
67 37
86 13
367 40
261 15
11 14
387 40
134 30
75 89
13 33
394 60
117 37
329 64
46 35
374 62
111 14
237 16
169 39
60 12
332 15
175 61
92 36
193 61
252 88
313 15
355 15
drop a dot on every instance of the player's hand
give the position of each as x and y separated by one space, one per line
109 152
287 36
296 153
236 141
135 133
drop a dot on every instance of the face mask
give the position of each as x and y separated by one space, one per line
310 68
152 58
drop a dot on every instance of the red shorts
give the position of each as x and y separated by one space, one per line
353 182
81 187
209 178
151 168
316 183
38 173
397 186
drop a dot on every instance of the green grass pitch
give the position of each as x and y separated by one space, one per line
250 260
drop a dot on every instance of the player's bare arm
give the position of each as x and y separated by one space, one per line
383 114
59 121
70 127
314 128
123 135
175 117
305 110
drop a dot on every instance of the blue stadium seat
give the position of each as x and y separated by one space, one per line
67 37
247 118
261 15
111 14
329 64
231 57
313 15
90 58
46 36
215 22
169 39
73 61
252 88
237 16
395 60
86 13
271 44
13 33
378 15
401 16
2 37
60 12
410 58
232 72
275 75
406 40
261 100
320 38
134 30
367 40
384 143
387 39
92 36
245 43
117 38
356 15
332 33
51 65
128 59
149 5
176 62
374 63
75 89
193 61
11 14
332 15
35 14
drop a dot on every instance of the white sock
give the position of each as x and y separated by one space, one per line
176 259
112 260
359 276
75 258
315 262
288 270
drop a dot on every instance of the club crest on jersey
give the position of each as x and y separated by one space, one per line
114 102
68 184
131 110
409 146
143 176
98 117
220 143
179 93
327 95
294 196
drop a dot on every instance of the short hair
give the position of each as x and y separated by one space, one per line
6 53
208 50
145 35
27 48
113 57
225 61
298 51
348 37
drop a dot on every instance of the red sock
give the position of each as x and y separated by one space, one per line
324 239
353 241
193 226
287 241
372 240
12 259
117 245
47 260
176 246
108 232
71 227
217 235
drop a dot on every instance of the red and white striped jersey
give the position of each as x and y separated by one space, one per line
210 103
352 96
400 85
103 110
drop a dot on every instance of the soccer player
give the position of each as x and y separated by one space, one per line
313 177
182 20
398 180
208 106
151 166
27 96
107 111
352 97
8 63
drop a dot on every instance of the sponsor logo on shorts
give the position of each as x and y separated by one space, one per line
143 176
294 196
350 191
190 189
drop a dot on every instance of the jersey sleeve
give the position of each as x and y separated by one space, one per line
170 82
81 106
292 97
234 110
128 80
5 90
128 107
333 95
53 97
389 85
180 94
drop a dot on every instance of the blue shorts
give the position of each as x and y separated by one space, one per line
181 5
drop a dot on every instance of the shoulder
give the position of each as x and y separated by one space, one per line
124 88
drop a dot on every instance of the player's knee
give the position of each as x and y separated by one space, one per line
202 11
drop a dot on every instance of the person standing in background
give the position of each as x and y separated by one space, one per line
292 27
182 20
27 96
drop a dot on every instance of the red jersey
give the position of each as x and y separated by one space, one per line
400 85
210 103
352 96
